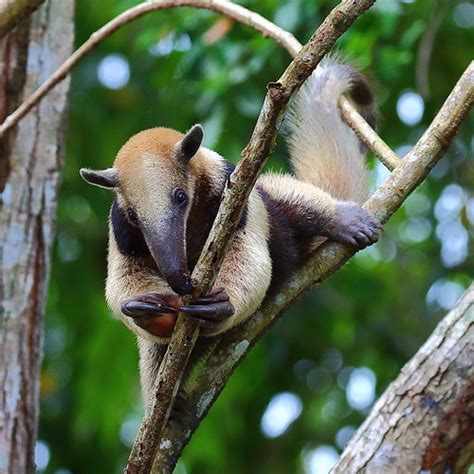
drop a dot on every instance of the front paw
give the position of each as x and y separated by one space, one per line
210 310
355 226
153 312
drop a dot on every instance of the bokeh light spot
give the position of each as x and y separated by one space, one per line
450 203
344 435
129 429
283 409
410 108
360 390
113 71
41 455
444 294
463 15
320 460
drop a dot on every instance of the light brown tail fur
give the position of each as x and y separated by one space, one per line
324 150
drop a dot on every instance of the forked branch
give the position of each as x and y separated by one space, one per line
235 196
225 7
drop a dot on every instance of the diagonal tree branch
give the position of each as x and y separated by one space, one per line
436 386
335 24
235 196
368 135
233 346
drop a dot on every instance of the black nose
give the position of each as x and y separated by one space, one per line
180 283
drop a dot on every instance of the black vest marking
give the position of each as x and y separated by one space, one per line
130 241
292 229
284 251
202 214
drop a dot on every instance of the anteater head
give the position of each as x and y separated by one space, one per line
154 177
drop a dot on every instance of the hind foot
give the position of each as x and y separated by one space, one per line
354 226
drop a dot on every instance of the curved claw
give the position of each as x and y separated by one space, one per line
150 304
210 310
139 309
153 312
217 295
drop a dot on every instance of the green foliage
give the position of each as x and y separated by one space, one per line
374 313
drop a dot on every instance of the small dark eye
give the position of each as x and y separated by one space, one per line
132 216
180 197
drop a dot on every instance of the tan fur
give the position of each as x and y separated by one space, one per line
328 165
146 172
155 148
148 368
247 267
146 167
287 188
324 151
126 279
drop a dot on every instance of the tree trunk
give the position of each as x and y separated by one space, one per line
424 420
30 161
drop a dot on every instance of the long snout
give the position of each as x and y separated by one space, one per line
168 248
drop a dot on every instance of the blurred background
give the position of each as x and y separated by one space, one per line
303 390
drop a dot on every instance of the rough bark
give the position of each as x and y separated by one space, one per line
30 160
13 11
424 420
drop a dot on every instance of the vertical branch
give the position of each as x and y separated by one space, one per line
30 161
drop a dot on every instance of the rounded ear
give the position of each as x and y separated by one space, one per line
189 145
107 179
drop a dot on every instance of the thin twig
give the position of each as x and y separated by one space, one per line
235 196
234 345
225 7
368 135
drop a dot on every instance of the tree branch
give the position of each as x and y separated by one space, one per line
233 346
234 199
424 418
13 11
225 7
368 135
